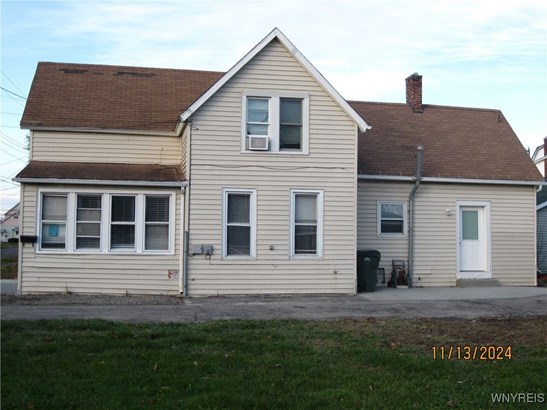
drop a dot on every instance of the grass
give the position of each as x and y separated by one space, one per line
259 364
8 265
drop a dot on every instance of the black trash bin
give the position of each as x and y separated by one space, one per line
367 266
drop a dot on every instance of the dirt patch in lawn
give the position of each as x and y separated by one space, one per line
435 332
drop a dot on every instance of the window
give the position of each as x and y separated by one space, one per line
392 218
107 222
54 215
122 222
290 125
239 223
156 235
281 117
306 223
88 222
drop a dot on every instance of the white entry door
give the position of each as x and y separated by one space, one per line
472 237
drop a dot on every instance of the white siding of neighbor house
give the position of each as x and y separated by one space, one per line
542 239
435 264
217 162
94 273
112 148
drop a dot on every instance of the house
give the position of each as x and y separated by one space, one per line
541 216
539 158
260 180
9 225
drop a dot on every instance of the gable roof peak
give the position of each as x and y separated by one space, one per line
276 33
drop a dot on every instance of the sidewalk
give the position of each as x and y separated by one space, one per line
398 303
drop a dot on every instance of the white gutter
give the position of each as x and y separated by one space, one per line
183 184
450 180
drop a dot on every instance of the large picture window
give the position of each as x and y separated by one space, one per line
280 117
239 223
107 222
306 223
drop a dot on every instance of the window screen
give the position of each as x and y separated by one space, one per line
305 224
290 126
53 221
238 224
122 229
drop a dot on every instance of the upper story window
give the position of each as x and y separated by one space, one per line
391 218
275 122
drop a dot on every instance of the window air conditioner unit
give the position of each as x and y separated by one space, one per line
258 143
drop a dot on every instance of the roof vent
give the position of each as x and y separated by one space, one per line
73 71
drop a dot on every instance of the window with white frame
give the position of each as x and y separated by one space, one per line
392 218
306 237
54 221
239 223
107 222
88 221
275 121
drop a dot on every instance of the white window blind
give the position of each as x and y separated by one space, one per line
157 223
54 215
88 222
122 229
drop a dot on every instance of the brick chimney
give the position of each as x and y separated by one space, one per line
414 92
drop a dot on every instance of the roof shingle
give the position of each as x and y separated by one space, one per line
112 97
458 142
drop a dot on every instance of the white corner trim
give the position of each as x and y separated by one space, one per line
276 33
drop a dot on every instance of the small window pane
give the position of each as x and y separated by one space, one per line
470 225
305 240
53 235
122 236
392 210
157 209
238 240
239 208
257 109
306 208
88 243
291 111
254 129
89 201
123 209
390 226
54 208
157 237
88 229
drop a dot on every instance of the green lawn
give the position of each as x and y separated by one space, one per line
264 364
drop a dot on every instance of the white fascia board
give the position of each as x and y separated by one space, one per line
60 181
174 133
450 180
276 33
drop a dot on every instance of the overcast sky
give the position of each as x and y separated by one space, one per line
486 54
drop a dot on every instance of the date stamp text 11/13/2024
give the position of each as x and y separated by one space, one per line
468 352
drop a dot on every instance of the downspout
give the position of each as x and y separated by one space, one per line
187 210
420 154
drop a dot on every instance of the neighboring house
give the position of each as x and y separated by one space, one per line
541 215
539 158
260 180
9 225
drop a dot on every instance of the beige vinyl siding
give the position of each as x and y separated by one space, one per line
435 264
94 273
542 240
217 163
98 147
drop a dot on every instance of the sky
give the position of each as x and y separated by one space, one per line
484 54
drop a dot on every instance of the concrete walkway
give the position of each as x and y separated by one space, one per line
399 303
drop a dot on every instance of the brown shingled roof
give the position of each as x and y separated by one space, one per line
458 143
102 171
112 97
